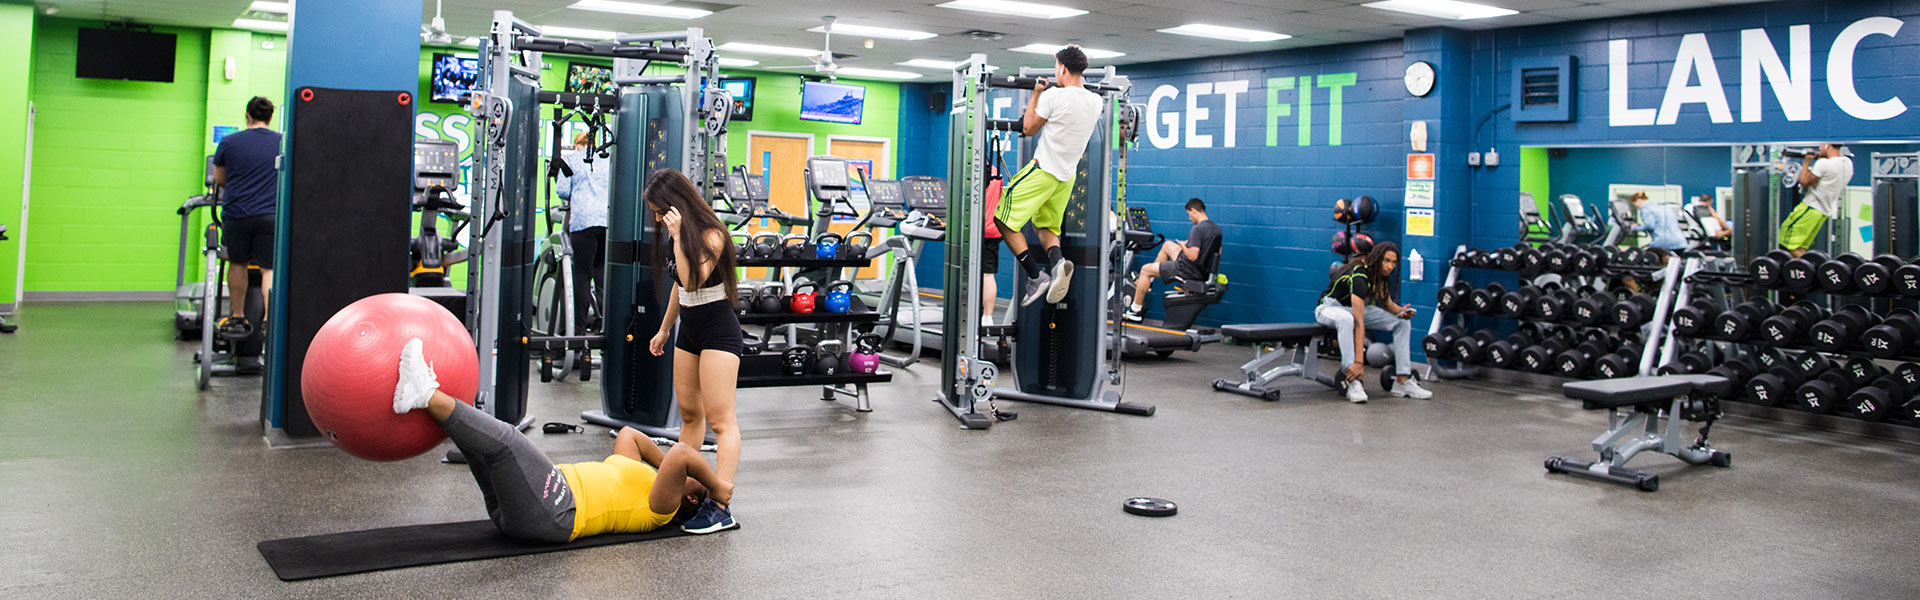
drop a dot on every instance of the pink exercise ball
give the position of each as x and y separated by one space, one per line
353 365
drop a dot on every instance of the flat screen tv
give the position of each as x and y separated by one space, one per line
741 88
831 102
453 77
124 54
589 79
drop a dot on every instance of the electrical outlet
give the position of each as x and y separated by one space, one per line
1493 158
1473 159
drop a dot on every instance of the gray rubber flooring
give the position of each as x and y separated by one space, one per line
119 480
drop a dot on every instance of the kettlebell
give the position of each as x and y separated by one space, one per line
865 358
767 300
766 244
796 360
826 360
790 250
743 302
827 246
802 302
742 246
838 297
856 244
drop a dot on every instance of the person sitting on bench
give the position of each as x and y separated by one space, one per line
1178 259
532 500
1360 296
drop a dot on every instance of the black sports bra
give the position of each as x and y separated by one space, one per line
673 270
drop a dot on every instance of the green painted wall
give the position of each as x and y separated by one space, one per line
777 108
1534 166
112 161
16 77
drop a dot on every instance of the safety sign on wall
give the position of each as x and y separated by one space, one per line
1420 221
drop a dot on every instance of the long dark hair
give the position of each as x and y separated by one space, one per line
1379 288
668 188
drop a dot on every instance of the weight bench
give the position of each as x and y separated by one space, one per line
1281 350
1659 406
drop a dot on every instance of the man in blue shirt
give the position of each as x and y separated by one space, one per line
247 167
1661 221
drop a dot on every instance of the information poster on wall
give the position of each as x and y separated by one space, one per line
1420 193
1420 221
1420 167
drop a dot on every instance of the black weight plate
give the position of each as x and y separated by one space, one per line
1150 507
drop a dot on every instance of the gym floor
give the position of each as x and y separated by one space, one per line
120 480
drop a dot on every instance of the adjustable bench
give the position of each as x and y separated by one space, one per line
1673 399
1281 350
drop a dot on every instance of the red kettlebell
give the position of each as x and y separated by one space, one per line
801 302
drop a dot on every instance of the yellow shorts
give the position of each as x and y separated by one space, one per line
1801 228
1034 195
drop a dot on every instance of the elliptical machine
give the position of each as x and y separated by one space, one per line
554 294
219 355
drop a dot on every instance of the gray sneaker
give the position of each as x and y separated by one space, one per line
1037 287
1062 281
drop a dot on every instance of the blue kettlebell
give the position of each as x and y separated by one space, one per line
827 246
839 296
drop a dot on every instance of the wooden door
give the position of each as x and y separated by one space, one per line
857 151
786 158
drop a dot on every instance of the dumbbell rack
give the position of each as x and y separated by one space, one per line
1901 417
763 370
1655 328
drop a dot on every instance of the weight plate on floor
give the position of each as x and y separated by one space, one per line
1150 507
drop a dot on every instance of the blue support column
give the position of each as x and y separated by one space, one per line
1447 112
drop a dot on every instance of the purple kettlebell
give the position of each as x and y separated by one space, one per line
865 358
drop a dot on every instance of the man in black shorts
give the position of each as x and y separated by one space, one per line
247 166
1177 258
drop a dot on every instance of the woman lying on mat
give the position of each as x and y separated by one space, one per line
637 489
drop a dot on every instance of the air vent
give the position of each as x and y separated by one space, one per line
1543 89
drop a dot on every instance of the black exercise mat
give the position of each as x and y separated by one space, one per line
294 559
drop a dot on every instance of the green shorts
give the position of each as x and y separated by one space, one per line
1801 228
1033 195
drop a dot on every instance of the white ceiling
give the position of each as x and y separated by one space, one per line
1124 25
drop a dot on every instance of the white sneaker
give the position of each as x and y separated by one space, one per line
1036 288
417 381
1062 281
1134 315
1410 389
1356 393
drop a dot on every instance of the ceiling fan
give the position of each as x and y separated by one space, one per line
824 63
435 34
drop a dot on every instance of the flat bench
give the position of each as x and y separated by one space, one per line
1281 350
1657 409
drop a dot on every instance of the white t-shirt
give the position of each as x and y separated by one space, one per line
1834 174
1071 113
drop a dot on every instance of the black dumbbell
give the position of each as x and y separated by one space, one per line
1514 304
1688 362
1906 279
1893 334
1876 276
1840 328
1553 306
1595 308
1774 385
1769 358
1480 258
1532 261
1824 393
1560 259
1633 311
1767 270
1861 371
1588 261
1506 353
1451 297
1539 357
1696 318
1800 273
1908 413
1786 327
1624 361
1575 362
1837 275
1468 349
1739 322
1739 369
1878 400
1438 344
1650 258
1485 300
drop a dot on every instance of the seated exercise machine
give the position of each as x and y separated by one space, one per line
1183 299
1658 406
4 326
1281 350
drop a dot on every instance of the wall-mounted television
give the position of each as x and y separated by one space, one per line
126 54
831 102
589 79
453 77
741 88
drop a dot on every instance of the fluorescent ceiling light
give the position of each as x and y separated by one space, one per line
765 49
885 33
928 63
1052 48
645 10
278 8
737 62
259 24
575 33
1231 34
876 73
471 42
1443 9
1018 9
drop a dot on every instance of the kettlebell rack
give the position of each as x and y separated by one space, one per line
768 366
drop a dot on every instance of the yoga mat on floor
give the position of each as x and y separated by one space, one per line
350 552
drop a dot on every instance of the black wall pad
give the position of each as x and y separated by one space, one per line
343 230
334 554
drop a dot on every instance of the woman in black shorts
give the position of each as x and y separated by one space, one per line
706 355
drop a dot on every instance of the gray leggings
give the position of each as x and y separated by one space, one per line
1339 316
527 497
